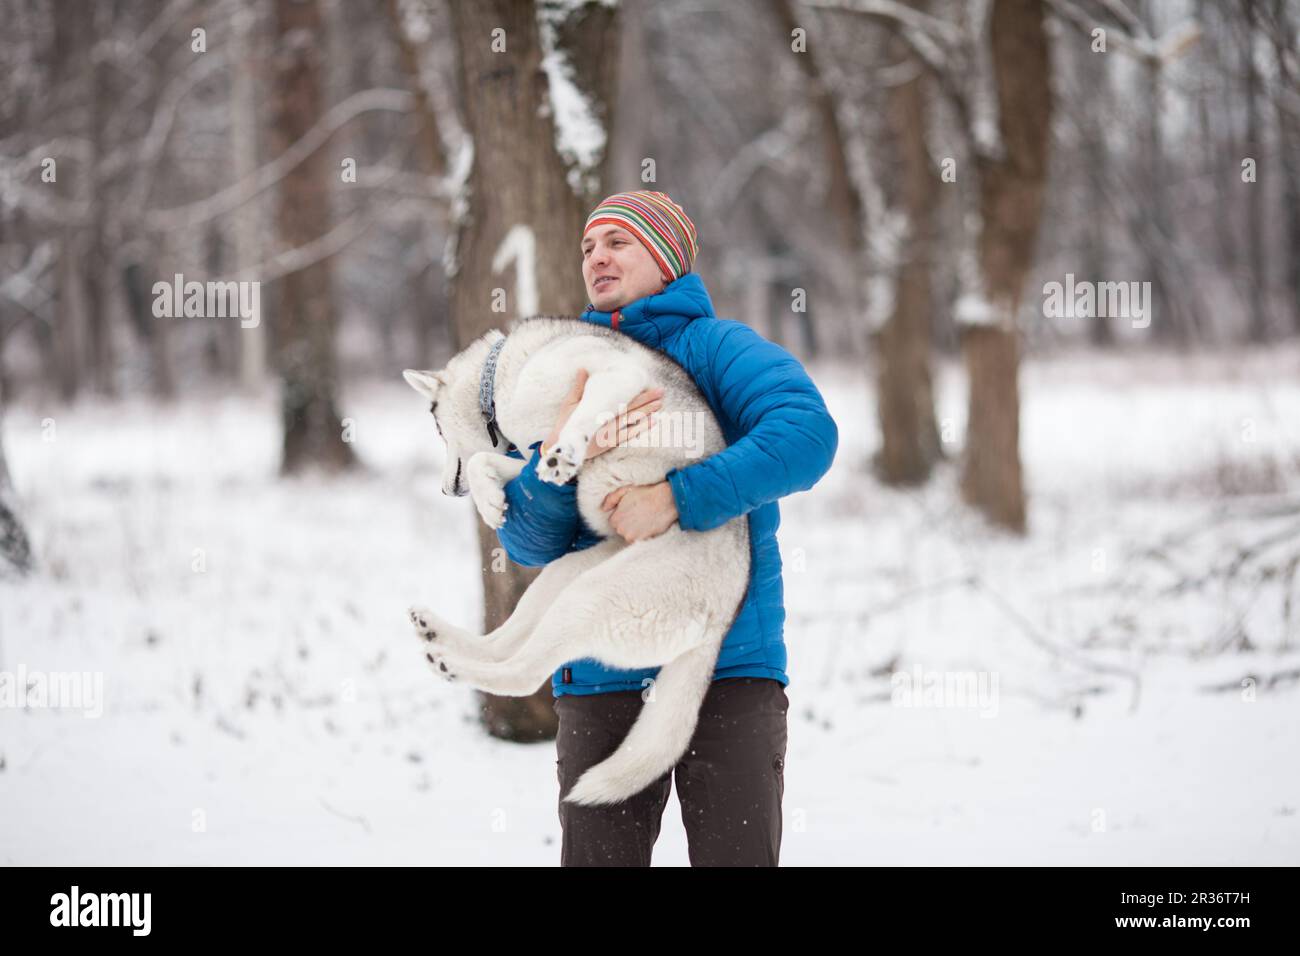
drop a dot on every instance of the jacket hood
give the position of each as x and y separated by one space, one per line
654 319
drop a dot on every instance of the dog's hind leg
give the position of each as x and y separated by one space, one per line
616 613
506 639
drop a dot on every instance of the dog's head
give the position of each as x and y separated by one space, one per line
453 396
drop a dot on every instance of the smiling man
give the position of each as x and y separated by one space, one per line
638 251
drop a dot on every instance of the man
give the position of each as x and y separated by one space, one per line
638 249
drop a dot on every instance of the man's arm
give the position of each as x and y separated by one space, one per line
541 519
789 437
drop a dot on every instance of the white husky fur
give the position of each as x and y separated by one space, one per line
666 601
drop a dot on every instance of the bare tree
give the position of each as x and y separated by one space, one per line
1094 107
905 403
1178 317
1258 284
909 434
92 257
15 549
842 195
1011 191
1282 31
305 318
522 216
244 129
1171 322
433 109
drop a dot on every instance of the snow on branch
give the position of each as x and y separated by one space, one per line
1122 13
1157 51
580 135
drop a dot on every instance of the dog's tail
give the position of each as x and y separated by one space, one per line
660 736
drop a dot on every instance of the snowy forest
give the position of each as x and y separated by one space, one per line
1040 257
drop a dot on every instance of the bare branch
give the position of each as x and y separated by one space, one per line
145 161
1155 51
1124 15
937 44
234 196
934 39
757 153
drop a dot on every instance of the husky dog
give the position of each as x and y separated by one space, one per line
666 601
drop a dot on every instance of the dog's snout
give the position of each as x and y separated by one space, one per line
550 462
457 489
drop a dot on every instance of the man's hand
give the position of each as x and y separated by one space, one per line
634 420
641 511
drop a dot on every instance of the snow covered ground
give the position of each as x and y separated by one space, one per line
264 700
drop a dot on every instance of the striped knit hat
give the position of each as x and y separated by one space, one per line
662 226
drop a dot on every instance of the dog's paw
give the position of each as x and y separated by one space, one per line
439 666
486 490
425 624
491 504
561 462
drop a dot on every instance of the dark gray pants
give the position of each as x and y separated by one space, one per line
730 782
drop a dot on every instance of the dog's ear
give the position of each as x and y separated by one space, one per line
426 383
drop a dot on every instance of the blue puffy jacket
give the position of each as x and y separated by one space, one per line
780 439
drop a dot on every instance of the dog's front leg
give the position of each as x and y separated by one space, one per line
487 473
605 395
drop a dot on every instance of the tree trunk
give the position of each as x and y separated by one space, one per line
68 56
432 158
991 477
1011 202
15 549
1176 313
220 341
1221 155
68 317
518 181
843 200
305 319
154 333
1096 112
431 155
909 434
758 299
1288 128
251 342
1258 328
94 263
